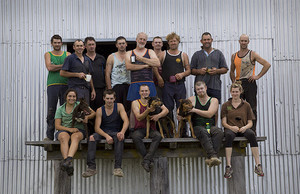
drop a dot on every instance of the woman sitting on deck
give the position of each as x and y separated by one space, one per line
63 123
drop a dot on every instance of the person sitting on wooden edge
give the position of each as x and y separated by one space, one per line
63 123
141 110
204 123
237 119
108 125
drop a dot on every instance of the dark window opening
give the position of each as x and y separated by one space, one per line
107 48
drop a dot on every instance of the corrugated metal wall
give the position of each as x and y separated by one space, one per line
26 28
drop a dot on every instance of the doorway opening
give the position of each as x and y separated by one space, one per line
105 48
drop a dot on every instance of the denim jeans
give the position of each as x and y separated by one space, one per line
137 138
212 142
54 93
118 149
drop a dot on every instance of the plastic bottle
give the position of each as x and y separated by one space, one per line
208 127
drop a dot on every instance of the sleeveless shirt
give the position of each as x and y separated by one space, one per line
244 67
172 65
143 74
111 123
198 120
119 73
143 123
54 77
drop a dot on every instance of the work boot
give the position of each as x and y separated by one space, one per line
89 172
118 172
146 165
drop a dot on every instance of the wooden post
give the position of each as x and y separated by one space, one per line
159 177
237 184
62 182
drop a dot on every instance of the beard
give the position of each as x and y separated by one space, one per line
207 46
201 95
56 48
141 45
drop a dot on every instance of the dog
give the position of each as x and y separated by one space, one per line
79 113
162 122
184 111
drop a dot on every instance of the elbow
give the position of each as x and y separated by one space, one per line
128 68
210 116
193 72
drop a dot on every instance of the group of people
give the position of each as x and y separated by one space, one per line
117 91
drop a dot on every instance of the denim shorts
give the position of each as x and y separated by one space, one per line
60 131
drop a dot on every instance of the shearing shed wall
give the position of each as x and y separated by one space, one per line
26 29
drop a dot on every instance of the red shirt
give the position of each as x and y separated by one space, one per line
143 123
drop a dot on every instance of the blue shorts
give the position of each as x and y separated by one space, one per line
60 131
134 88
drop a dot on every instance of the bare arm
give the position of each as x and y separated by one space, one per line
266 65
109 66
90 116
156 73
235 129
248 126
133 67
163 113
213 108
232 69
59 127
187 67
152 62
72 74
201 71
49 65
124 117
93 92
135 108
222 70
98 124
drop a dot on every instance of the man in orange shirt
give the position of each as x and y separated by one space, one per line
243 63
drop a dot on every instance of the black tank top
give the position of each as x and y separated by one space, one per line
172 65
143 74
198 120
113 122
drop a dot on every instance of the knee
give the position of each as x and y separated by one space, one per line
200 131
229 136
136 135
157 137
218 132
249 133
64 137
76 137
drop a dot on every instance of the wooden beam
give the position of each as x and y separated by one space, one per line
159 176
237 184
62 182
